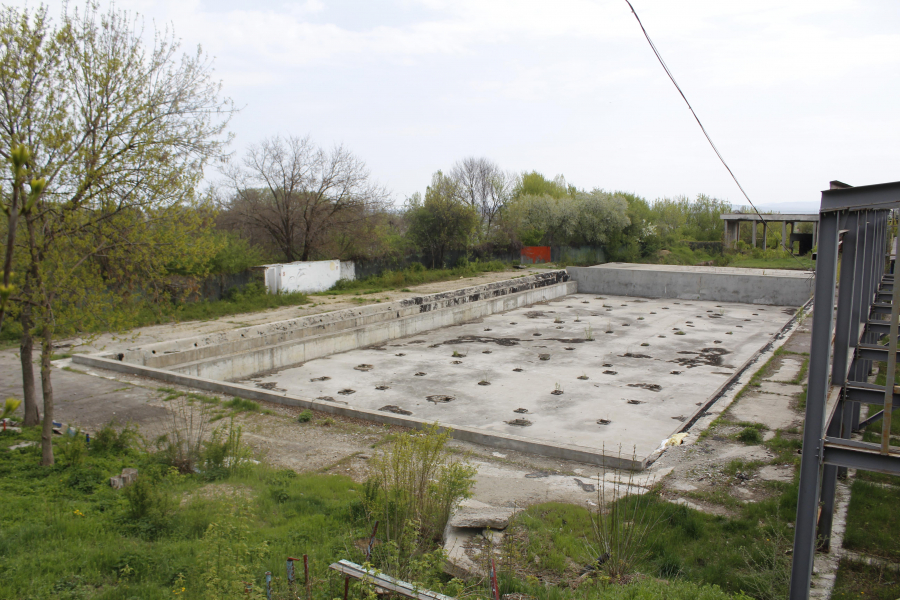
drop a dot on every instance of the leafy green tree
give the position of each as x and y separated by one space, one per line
120 133
535 184
583 218
442 221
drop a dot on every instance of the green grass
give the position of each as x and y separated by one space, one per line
402 280
856 580
251 298
213 309
66 534
48 550
642 589
782 262
685 545
873 523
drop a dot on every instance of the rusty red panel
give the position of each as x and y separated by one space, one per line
535 254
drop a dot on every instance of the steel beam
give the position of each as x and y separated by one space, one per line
860 455
872 352
881 196
869 393
816 398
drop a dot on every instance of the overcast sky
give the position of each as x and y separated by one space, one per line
794 93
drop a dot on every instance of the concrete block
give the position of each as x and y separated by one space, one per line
128 476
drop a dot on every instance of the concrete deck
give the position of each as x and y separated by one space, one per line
642 377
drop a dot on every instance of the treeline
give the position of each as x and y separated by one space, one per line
290 200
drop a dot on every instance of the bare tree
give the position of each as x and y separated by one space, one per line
299 194
483 186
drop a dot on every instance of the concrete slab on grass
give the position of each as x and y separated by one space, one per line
772 410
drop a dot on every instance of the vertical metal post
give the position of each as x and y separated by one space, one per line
268 585
753 225
816 232
290 574
860 309
842 418
816 398
346 586
784 240
891 369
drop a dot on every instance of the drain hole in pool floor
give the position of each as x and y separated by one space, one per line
440 398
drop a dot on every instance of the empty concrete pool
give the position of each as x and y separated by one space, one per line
527 364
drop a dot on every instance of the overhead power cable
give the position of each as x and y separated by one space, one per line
703 129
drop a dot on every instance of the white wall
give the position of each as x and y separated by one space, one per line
312 276
348 270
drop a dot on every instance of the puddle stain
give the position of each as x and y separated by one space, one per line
710 357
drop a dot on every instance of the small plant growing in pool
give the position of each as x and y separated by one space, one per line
583 376
305 417
558 391
578 319
484 379
326 422
640 318
457 354
679 332
750 435
589 333
557 320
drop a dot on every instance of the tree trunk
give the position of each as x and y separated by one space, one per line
26 353
47 388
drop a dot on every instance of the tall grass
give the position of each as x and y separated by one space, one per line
415 274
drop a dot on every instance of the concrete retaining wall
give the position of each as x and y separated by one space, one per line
176 352
721 284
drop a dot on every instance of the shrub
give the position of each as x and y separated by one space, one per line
109 441
72 449
415 483
623 529
750 435
182 445
228 558
146 498
305 417
224 454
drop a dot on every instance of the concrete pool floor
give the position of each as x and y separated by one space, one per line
538 366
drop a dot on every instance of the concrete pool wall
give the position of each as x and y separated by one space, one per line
776 287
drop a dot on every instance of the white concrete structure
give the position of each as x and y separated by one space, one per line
308 276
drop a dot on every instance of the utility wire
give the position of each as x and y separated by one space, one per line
703 129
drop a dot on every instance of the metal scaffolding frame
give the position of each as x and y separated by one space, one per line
839 372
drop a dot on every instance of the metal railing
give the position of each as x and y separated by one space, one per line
855 228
